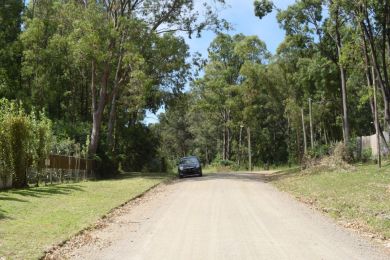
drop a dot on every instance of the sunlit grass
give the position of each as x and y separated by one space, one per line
361 195
32 220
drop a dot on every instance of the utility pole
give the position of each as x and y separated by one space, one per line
378 141
311 126
304 133
249 149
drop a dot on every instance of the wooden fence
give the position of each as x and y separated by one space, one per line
59 169
370 142
69 163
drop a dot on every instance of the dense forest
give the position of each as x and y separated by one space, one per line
333 59
84 73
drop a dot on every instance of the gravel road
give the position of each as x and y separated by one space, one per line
220 216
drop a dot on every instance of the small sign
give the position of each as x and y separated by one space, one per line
47 162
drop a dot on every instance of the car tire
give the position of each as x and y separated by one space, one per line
180 176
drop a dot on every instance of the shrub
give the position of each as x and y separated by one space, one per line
40 142
24 142
319 150
366 154
224 165
20 134
6 166
343 152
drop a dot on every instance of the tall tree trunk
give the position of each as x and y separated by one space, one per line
311 125
343 87
228 136
225 136
224 143
345 107
377 129
207 155
335 14
249 149
370 78
112 116
112 119
304 133
239 145
367 30
97 109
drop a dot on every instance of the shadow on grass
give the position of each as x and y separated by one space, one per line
11 199
132 175
38 192
2 214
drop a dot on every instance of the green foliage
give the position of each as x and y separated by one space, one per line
93 59
74 60
6 165
19 128
263 7
26 142
140 150
223 165
10 48
366 154
237 91
343 152
320 150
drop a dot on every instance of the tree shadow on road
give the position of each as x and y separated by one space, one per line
246 176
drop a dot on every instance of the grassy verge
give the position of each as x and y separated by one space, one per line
32 220
360 197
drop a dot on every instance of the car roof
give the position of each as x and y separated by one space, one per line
187 157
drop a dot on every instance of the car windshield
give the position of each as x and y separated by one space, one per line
189 160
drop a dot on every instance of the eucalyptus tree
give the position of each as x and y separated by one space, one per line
372 22
10 48
174 128
220 85
117 56
228 91
305 19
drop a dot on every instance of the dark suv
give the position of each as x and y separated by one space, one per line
189 166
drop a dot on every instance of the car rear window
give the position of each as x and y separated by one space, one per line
191 160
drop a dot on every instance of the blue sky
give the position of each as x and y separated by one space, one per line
240 14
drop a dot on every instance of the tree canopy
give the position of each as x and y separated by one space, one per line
93 68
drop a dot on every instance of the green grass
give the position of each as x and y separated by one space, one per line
209 169
359 196
34 219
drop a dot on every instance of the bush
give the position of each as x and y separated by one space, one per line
41 142
224 165
155 165
366 155
343 152
319 150
24 141
6 166
328 158
20 135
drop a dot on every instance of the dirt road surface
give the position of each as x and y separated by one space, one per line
220 216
